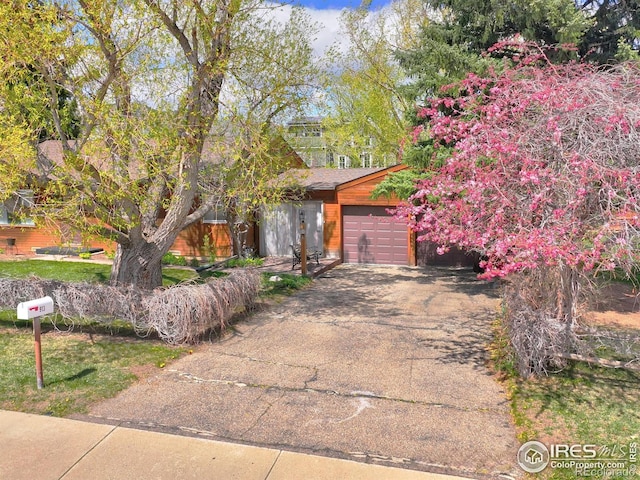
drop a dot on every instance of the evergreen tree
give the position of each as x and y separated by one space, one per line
615 30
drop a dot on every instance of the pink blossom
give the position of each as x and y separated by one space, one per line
543 173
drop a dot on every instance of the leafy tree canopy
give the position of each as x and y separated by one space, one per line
614 33
364 98
542 167
152 80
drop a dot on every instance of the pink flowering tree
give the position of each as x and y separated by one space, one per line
542 178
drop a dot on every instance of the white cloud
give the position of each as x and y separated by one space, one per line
327 21
329 25
329 28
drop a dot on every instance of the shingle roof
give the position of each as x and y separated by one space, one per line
213 152
329 178
305 121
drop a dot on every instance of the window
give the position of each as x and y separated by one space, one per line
217 214
315 132
344 161
366 160
330 162
13 210
310 131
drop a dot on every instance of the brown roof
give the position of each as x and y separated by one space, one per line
329 178
51 154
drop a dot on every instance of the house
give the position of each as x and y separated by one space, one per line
310 139
344 222
306 137
21 236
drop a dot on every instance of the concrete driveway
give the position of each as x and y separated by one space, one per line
376 364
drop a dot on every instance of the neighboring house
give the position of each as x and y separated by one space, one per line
21 236
308 137
344 222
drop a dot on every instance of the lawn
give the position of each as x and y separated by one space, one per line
80 271
94 272
78 368
581 405
86 362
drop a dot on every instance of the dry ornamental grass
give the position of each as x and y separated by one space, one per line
179 314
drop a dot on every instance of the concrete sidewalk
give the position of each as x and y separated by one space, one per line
41 448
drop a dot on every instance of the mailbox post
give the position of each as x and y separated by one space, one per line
34 309
303 244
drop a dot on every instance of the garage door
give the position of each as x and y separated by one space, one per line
371 235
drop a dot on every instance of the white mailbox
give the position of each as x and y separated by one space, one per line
35 308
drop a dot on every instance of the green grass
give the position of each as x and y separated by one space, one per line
287 284
172 259
94 272
582 404
78 368
87 361
80 271
245 262
56 270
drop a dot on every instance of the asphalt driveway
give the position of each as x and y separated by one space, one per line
375 364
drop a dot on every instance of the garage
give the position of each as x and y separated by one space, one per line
372 236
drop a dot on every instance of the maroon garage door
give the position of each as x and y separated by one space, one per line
371 235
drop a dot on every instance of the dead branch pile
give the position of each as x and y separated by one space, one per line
16 290
544 315
537 338
179 314
541 317
182 314
99 302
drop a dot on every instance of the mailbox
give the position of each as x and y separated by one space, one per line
35 308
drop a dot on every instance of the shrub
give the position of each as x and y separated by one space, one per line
171 259
209 248
535 167
245 262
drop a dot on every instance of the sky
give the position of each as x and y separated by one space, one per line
326 13
339 4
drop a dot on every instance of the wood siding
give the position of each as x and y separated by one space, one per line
190 242
29 238
357 193
332 230
360 194
332 227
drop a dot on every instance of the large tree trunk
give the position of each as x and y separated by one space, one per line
138 264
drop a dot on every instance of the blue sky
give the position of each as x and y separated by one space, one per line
326 14
339 4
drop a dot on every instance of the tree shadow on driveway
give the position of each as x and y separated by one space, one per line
386 291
